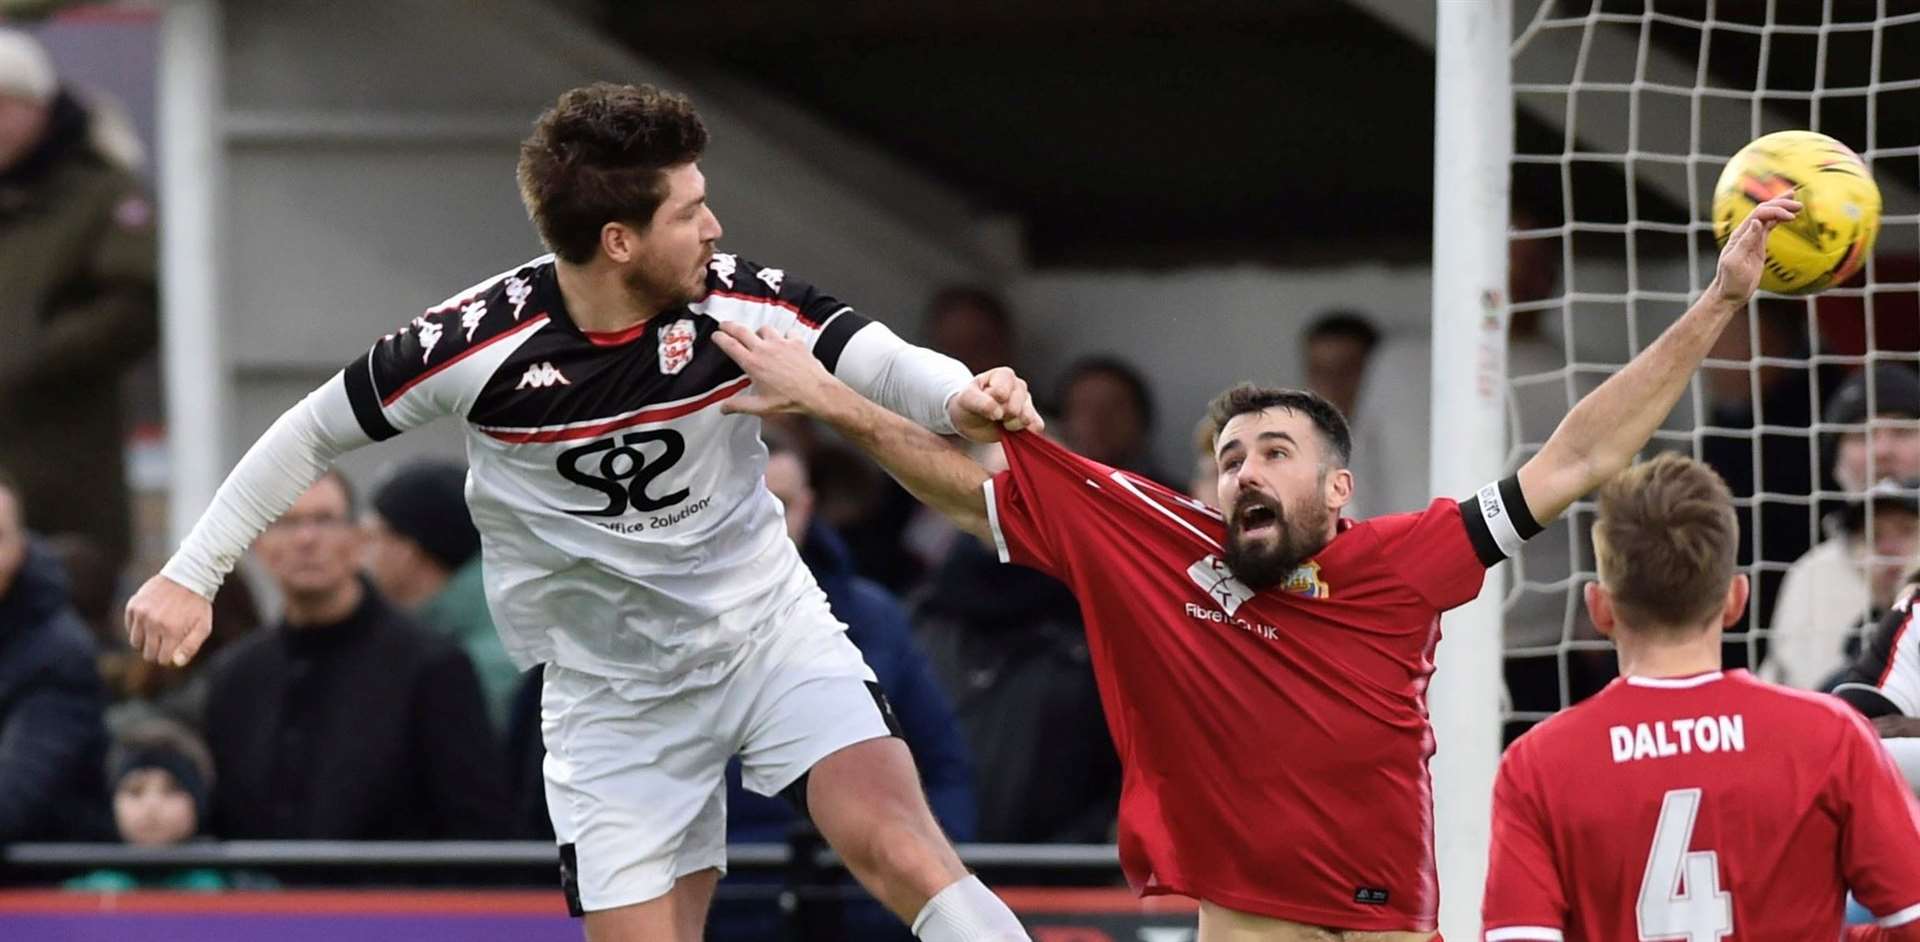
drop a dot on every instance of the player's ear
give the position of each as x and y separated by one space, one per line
1600 606
1736 605
1339 489
619 241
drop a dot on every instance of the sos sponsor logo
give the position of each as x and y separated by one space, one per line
623 469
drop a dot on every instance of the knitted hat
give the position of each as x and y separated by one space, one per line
426 503
157 743
25 70
1896 391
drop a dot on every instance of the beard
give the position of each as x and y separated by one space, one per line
653 285
1263 562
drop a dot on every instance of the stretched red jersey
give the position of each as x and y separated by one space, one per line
1274 743
1707 808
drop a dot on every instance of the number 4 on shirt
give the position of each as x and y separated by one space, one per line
1680 894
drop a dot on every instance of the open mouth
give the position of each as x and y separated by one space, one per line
1258 520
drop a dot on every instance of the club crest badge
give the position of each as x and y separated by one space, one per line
676 346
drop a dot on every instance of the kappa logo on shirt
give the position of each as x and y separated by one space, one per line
542 375
1214 578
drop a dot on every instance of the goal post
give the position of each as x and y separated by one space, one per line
1473 144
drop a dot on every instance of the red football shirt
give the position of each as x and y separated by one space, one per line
1699 809
1275 744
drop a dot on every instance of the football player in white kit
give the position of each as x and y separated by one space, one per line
630 543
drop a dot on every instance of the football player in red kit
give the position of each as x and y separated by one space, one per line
1686 802
1264 674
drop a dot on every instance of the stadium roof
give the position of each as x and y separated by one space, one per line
1137 131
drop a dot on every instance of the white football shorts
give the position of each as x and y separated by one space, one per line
635 780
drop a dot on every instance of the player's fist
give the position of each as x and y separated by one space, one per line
1745 254
167 622
996 399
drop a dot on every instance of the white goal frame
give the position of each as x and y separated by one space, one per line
1473 146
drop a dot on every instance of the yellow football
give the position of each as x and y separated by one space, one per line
1832 236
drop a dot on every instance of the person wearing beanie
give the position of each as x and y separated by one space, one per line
1874 448
1876 440
423 554
162 780
77 234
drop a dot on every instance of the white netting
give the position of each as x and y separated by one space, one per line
1625 114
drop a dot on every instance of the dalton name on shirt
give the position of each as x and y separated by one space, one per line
1678 737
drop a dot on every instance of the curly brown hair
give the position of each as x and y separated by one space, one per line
600 155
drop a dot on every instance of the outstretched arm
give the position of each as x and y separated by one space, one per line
171 615
1611 424
786 378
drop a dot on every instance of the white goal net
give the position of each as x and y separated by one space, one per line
1625 113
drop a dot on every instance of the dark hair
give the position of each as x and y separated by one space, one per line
1247 397
1665 540
335 475
599 155
1344 324
971 296
149 734
1118 369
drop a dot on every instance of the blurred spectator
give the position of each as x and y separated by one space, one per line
1783 477
162 780
78 239
972 325
1882 439
423 554
1335 348
348 721
1204 485
1106 413
1828 590
52 737
878 626
871 512
1007 644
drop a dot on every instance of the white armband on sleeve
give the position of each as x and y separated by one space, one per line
293 453
912 381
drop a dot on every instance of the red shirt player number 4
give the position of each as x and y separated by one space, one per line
1633 816
1275 743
